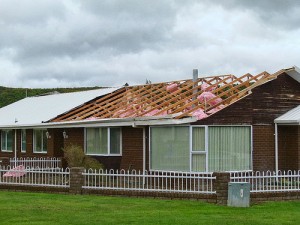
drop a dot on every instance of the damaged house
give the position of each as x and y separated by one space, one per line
206 124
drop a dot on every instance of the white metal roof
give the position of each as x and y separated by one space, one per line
35 110
291 117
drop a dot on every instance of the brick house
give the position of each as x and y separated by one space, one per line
218 123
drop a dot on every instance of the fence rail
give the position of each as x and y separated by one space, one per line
149 181
269 181
36 162
50 177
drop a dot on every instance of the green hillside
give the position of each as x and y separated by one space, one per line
9 95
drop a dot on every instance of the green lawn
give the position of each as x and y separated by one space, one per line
38 208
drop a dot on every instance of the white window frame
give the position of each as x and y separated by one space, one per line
23 150
6 150
108 142
34 139
251 144
199 152
206 146
149 150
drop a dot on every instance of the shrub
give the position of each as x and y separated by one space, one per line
75 157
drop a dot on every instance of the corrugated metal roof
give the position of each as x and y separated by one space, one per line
35 110
291 117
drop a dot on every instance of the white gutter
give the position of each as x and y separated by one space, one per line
105 122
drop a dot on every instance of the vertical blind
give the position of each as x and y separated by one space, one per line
198 149
96 140
103 141
170 148
229 148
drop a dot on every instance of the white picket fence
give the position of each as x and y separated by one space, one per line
50 177
36 162
269 181
179 182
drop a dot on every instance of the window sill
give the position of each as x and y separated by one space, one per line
103 154
6 151
38 152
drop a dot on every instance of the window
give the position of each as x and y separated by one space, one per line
103 141
229 148
199 151
39 141
200 148
6 140
170 148
23 140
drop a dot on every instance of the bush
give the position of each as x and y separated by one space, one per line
75 157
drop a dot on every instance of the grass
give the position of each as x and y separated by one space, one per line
39 208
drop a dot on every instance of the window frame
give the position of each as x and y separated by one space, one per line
12 141
149 150
108 142
206 152
21 140
34 141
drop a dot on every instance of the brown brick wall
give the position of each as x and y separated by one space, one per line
288 147
132 152
263 148
75 137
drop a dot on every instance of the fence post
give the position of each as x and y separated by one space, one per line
221 187
76 180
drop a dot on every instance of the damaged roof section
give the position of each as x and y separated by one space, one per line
178 99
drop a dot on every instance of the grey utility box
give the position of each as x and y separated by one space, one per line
238 194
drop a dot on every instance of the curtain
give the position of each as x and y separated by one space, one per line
96 141
170 148
229 148
115 140
198 150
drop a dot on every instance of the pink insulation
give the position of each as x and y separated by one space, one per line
172 87
18 171
91 118
207 96
207 87
152 112
199 114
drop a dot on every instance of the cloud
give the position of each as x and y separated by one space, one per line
67 43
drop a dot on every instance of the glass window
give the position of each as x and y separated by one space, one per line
40 141
23 140
229 148
6 140
209 148
170 148
115 140
198 149
103 141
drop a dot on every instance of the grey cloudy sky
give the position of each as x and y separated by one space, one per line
68 43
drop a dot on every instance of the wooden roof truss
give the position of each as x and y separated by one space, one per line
156 100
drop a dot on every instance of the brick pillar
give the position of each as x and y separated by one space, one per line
4 161
76 180
221 187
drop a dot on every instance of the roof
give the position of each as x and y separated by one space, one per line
36 110
291 117
177 99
